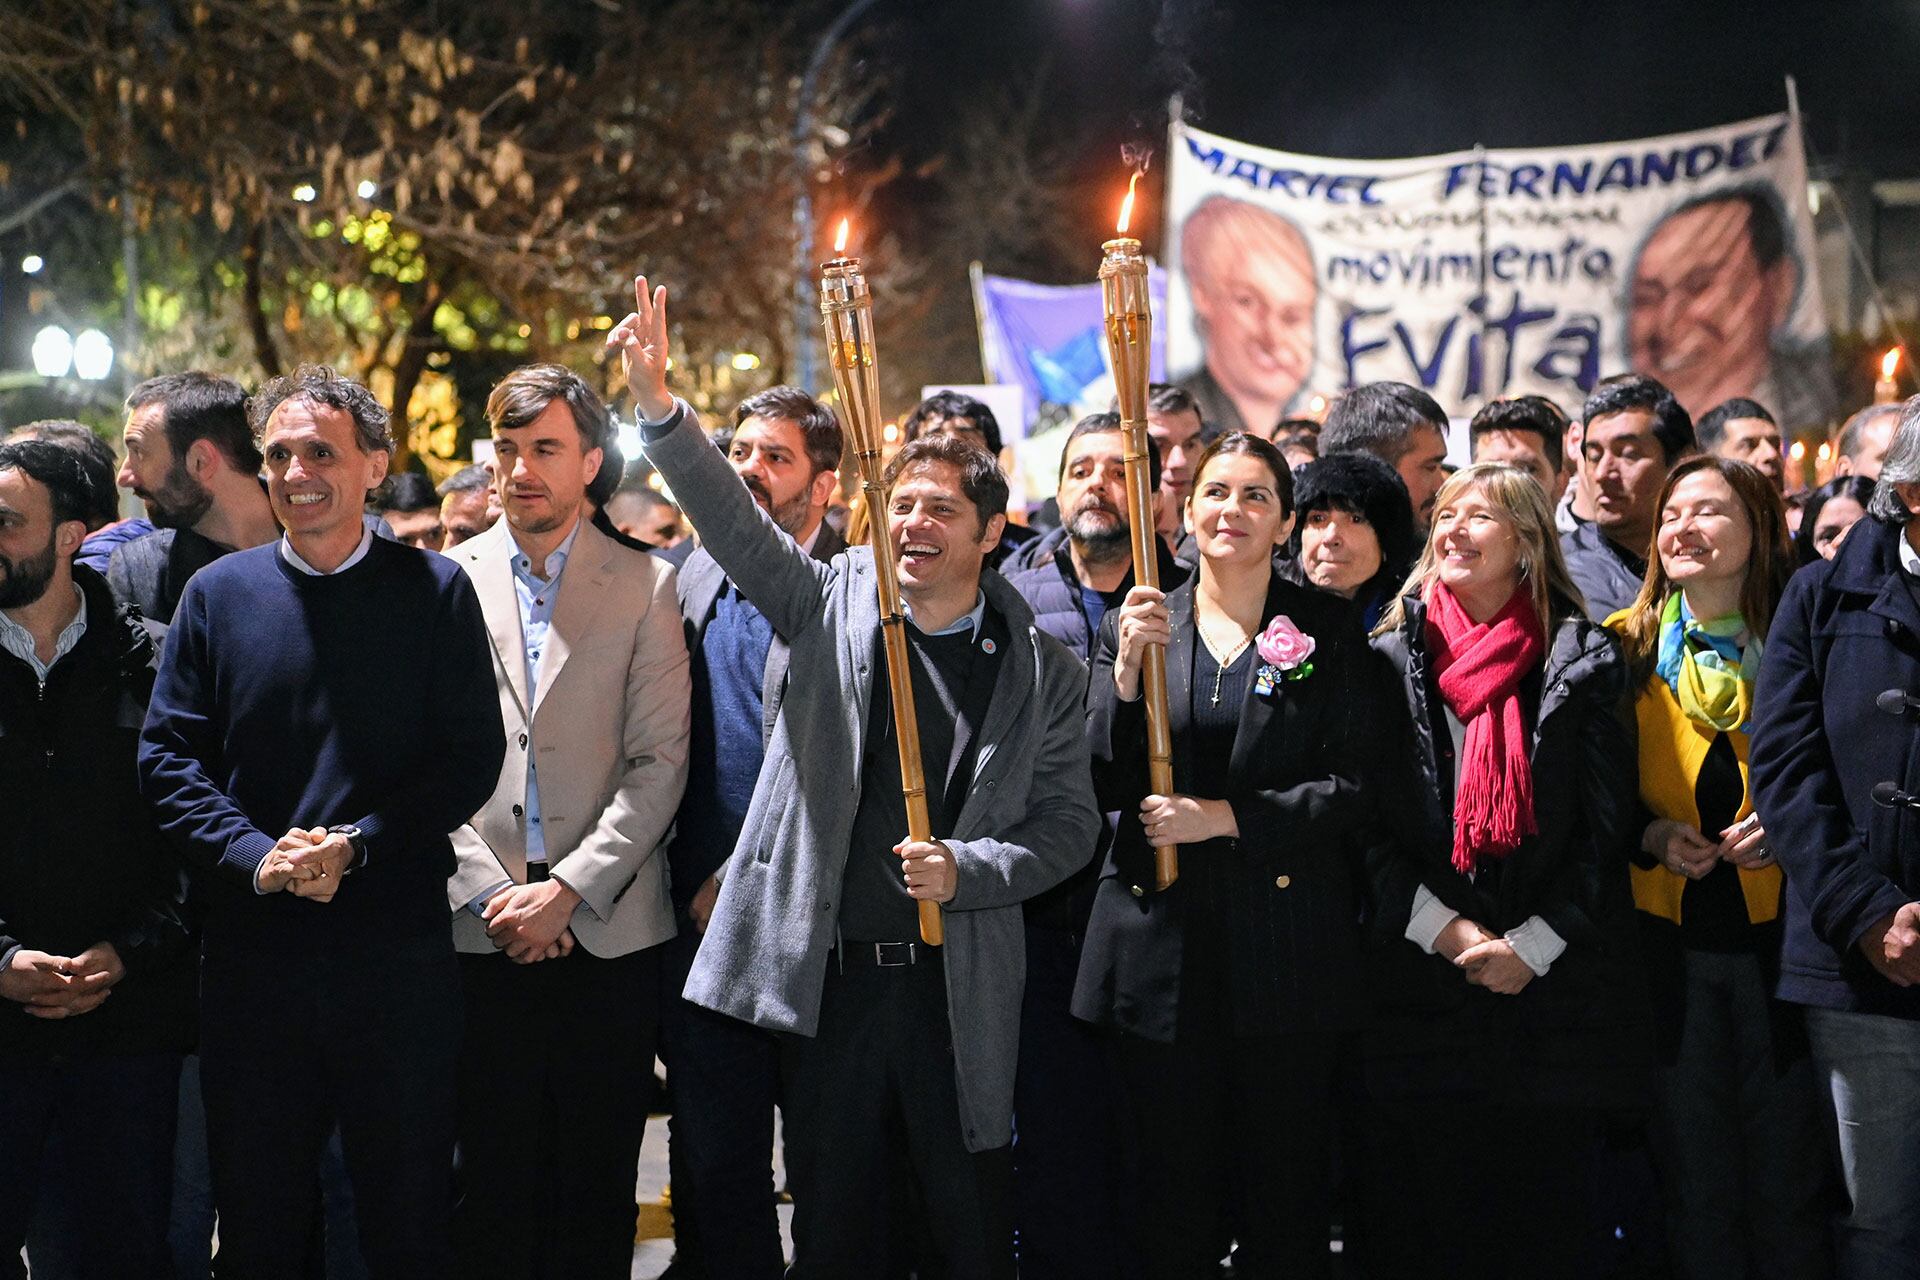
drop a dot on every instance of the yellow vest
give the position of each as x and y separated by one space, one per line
1672 749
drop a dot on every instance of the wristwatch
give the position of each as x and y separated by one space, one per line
355 839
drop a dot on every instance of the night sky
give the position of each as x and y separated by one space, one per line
1394 79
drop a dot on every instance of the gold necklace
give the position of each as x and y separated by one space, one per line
1220 664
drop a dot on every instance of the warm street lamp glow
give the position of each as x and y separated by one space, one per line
52 352
1126 206
31 264
305 193
92 355
840 238
746 361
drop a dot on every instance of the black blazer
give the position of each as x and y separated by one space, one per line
1579 1035
1295 781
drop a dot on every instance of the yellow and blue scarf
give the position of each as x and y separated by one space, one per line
1710 674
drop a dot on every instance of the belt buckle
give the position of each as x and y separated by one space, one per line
894 955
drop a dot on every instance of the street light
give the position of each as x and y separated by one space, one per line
31 264
52 352
805 323
92 355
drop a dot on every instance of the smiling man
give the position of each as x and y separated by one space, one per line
1633 431
559 897
318 840
894 1050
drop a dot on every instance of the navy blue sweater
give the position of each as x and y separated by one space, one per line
284 699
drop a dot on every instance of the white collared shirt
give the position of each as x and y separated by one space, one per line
19 642
292 557
1909 558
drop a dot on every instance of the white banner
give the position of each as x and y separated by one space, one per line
1485 274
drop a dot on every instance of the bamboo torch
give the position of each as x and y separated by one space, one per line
847 307
1129 316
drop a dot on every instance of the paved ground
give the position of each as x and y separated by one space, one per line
654 1249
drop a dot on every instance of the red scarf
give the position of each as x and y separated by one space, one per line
1480 669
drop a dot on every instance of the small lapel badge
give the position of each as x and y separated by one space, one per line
1264 681
988 647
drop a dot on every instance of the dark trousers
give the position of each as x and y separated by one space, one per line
86 1160
363 1037
873 1110
554 1082
724 1076
1065 1144
1738 1136
1234 1140
1466 1187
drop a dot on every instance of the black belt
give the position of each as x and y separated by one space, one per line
884 955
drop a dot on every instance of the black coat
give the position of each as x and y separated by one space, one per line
81 861
1051 587
1846 631
1579 1035
1296 785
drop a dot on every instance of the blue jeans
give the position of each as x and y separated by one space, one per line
1870 1066
86 1159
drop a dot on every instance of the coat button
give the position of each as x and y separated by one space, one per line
1138 892
1282 882
517 811
523 742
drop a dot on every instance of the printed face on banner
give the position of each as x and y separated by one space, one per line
1250 275
1711 285
1485 274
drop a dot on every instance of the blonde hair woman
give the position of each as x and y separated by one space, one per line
1505 1018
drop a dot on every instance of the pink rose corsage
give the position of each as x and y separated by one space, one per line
1284 650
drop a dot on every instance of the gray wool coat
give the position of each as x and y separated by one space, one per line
1028 820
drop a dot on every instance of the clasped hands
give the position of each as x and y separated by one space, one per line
1692 854
306 862
50 986
1486 960
530 921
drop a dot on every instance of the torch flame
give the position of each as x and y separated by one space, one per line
1889 362
840 238
1126 206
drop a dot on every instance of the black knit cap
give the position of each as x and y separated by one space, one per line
1362 484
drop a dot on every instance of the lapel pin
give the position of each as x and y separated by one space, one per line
988 647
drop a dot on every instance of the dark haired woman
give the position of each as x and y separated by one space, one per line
1353 533
1506 1015
1736 1133
1230 989
1829 512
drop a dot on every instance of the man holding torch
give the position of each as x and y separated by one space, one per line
899 1055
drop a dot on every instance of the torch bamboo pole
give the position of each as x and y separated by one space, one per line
847 308
1129 320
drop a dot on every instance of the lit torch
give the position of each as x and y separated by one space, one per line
847 307
1129 317
1887 390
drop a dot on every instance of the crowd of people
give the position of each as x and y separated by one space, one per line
1547 897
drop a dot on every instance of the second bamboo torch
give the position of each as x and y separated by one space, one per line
1129 322
846 306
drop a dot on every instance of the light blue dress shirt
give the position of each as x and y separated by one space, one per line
536 593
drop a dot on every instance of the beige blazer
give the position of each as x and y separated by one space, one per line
607 722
